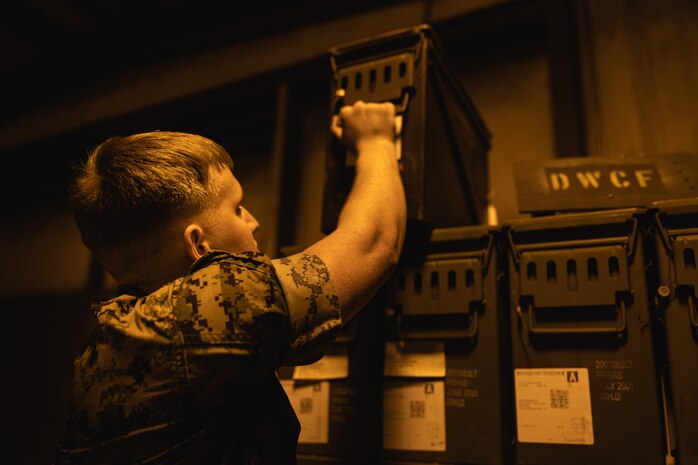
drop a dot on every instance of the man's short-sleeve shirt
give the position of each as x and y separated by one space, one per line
187 372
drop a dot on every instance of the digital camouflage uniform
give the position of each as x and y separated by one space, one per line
186 374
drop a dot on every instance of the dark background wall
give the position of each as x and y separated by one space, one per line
550 78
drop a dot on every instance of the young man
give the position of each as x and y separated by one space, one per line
182 366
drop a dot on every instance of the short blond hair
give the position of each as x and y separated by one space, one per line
130 187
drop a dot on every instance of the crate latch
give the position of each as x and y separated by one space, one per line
574 290
437 300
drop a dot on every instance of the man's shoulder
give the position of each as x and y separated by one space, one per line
223 273
223 296
200 301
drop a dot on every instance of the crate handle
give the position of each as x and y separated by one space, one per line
400 108
468 332
620 327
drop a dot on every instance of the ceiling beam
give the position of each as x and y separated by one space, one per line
151 86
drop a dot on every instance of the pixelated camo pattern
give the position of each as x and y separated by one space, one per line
199 342
308 287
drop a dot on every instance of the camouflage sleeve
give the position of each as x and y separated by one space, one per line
312 304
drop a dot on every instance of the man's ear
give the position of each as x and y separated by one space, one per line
195 244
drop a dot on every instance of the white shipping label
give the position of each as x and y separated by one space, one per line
311 403
414 416
334 365
553 406
416 359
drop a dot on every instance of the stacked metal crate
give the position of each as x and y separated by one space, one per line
548 340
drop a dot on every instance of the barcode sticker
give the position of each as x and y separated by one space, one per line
414 416
311 402
306 405
417 409
559 398
553 406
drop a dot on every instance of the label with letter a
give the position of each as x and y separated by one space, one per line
414 416
311 402
553 406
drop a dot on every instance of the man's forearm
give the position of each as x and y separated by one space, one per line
371 227
375 209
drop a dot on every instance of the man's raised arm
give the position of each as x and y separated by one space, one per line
364 248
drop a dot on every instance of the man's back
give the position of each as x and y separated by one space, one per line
186 374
